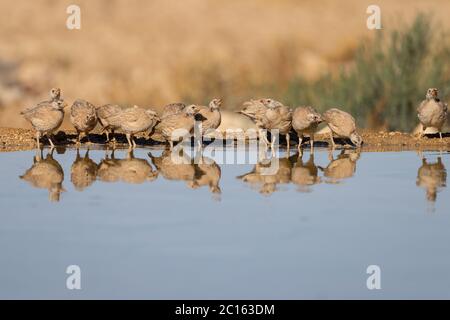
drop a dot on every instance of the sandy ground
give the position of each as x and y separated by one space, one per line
13 139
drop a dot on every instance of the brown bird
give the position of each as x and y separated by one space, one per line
174 169
432 112
129 170
136 119
46 174
209 117
173 108
341 168
83 172
305 174
343 125
108 116
83 118
47 116
305 121
277 117
55 94
175 126
254 110
432 177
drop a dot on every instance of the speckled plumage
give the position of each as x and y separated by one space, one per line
432 112
209 116
343 125
174 126
254 109
83 117
136 119
277 117
47 116
173 108
305 121
108 117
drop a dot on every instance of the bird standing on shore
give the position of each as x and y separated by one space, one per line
253 110
305 121
209 118
174 126
343 125
432 112
108 116
136 119
47 116
277 117
83 117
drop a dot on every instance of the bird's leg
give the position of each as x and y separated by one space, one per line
272 144
38 136
288 138
311 142
171 144
107 135
79 138
332 140
263 136
300 139
299 147
129 140
440 135
134 141
49 135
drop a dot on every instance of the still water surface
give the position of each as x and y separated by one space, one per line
141 227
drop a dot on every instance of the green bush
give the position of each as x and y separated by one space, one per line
387 80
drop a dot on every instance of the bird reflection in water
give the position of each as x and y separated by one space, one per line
305 174
130 170
302 173
180 170
46 173
266 181
432 177
181 167
83 172
341 168
207 173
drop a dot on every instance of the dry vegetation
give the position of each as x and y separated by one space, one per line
154 52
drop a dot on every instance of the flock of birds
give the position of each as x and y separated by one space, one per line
267 114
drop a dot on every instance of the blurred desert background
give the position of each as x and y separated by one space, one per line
151 53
